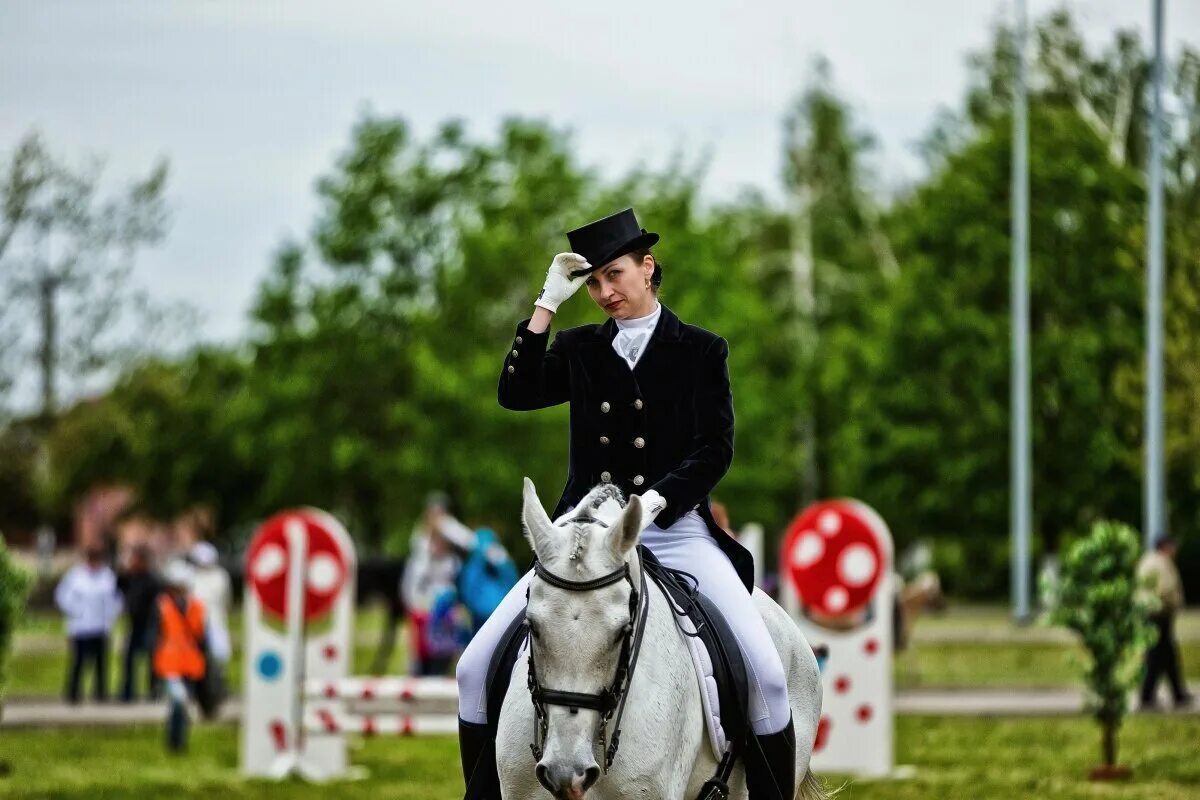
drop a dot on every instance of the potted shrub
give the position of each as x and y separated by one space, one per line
1097 598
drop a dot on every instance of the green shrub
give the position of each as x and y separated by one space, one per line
14 588
1098 599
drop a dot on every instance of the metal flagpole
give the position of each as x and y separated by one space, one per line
1154 523
1020 446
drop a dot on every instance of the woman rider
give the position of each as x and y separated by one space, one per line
652 412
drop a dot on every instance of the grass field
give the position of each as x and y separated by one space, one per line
42 673
38 664
1001 665
940 661
926 666
980 759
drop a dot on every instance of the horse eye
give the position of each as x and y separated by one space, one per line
533 629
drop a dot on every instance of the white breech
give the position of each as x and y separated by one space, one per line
686 546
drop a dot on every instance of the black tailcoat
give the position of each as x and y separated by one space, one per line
666 425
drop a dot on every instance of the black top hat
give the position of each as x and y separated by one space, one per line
607 239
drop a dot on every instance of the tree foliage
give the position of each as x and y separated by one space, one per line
14 588
1097 598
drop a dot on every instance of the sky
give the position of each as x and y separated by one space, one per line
251 102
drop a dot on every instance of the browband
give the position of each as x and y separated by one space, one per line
549 577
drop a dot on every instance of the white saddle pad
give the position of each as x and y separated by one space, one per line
709 698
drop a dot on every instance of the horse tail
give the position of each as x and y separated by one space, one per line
813 788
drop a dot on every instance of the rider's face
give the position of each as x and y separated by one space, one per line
622 288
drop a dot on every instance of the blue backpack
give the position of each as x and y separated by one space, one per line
488 572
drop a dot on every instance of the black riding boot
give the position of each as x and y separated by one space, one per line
477 748
771 765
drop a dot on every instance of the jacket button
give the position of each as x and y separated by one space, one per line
604 407
511 369
638 404
603 440
606 476
639 443
520 340
638 480
515 354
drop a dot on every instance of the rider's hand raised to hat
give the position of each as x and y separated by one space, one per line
559 284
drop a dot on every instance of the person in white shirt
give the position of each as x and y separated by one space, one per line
211 585
89 600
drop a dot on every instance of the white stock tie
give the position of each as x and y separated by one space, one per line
631 344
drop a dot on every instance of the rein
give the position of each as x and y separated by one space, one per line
610 701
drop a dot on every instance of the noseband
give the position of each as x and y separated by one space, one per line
610 701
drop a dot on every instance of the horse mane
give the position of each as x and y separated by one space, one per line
585 514
606 491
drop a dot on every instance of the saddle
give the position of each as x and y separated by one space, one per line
716 657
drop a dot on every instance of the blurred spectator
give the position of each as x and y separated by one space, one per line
88 598
212 587
179 650
1158 574
193 526
486 576
140 587
429 573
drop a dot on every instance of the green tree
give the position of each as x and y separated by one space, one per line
932 454
842 262
1110 91
1097 599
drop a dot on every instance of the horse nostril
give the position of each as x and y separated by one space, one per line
564 782
543 776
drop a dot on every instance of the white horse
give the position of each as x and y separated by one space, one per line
664 750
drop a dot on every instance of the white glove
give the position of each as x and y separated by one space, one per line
559 283
652 503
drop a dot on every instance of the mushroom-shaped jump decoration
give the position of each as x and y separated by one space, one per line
299 607
325 564
837 559
834 555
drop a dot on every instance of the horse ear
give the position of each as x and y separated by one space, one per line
538 528
624 533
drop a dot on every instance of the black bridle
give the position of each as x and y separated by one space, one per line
610 701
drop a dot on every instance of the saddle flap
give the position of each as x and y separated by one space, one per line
710 639
500 670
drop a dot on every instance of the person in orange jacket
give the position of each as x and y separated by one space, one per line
180 648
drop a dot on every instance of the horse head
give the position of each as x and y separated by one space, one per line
581 609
